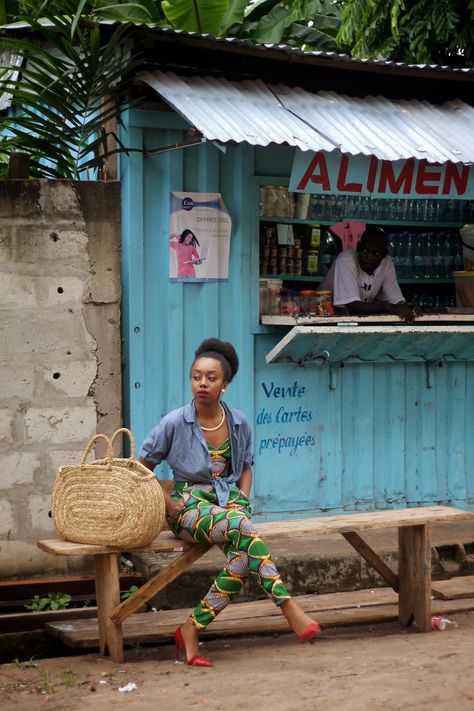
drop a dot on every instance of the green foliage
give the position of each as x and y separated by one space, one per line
310 24
411 31
47 681
130 591
66 95
30 664
68 678
53 601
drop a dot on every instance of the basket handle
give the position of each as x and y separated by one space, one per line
130 436
94 439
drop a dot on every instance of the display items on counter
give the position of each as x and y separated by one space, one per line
276 301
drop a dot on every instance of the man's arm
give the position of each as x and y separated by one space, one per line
407 312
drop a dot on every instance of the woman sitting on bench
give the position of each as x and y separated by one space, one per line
208 446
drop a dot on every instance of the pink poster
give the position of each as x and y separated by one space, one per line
199 238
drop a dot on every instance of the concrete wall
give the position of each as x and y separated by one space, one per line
59 349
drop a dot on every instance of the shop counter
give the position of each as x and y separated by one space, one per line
335 340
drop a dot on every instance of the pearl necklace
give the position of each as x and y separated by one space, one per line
211 429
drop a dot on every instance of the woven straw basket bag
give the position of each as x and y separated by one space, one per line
110 502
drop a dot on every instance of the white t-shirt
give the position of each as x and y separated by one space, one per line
348 282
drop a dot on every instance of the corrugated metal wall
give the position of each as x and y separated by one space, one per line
385 435
163 323
372 436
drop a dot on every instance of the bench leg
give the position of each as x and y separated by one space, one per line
414 576
107 588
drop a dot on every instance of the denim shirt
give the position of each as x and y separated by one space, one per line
179 440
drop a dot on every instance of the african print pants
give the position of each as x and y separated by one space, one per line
201 520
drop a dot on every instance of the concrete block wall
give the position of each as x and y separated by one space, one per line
60 354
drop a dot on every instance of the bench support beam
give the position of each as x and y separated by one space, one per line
371 557
157 582
414 575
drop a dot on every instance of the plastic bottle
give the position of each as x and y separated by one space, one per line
397 254
446 251
440 624
458 254
437 257
405 255
330 248
418 256
391 246
428 255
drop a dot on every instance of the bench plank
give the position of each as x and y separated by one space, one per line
454 588
166 542
257 617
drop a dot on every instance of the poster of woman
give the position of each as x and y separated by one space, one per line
199 237
187 256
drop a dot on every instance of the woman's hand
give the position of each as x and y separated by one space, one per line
245 482
173 507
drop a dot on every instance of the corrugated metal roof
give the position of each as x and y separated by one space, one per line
265 48
260 114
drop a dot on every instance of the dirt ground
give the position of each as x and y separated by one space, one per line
346 669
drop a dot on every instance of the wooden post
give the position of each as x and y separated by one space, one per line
107 588
414 576
19 166
110 167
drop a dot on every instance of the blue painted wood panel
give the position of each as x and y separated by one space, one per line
327 438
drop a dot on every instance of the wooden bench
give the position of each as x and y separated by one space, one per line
412 583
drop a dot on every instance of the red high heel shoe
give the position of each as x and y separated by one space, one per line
310 632
195 661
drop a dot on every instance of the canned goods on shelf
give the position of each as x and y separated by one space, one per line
311 262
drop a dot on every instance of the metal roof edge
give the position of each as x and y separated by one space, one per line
282 52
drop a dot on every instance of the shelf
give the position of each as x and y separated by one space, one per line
395 223
318 278
291 277
402 280
450 316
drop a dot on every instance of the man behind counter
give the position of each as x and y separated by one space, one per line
363 280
